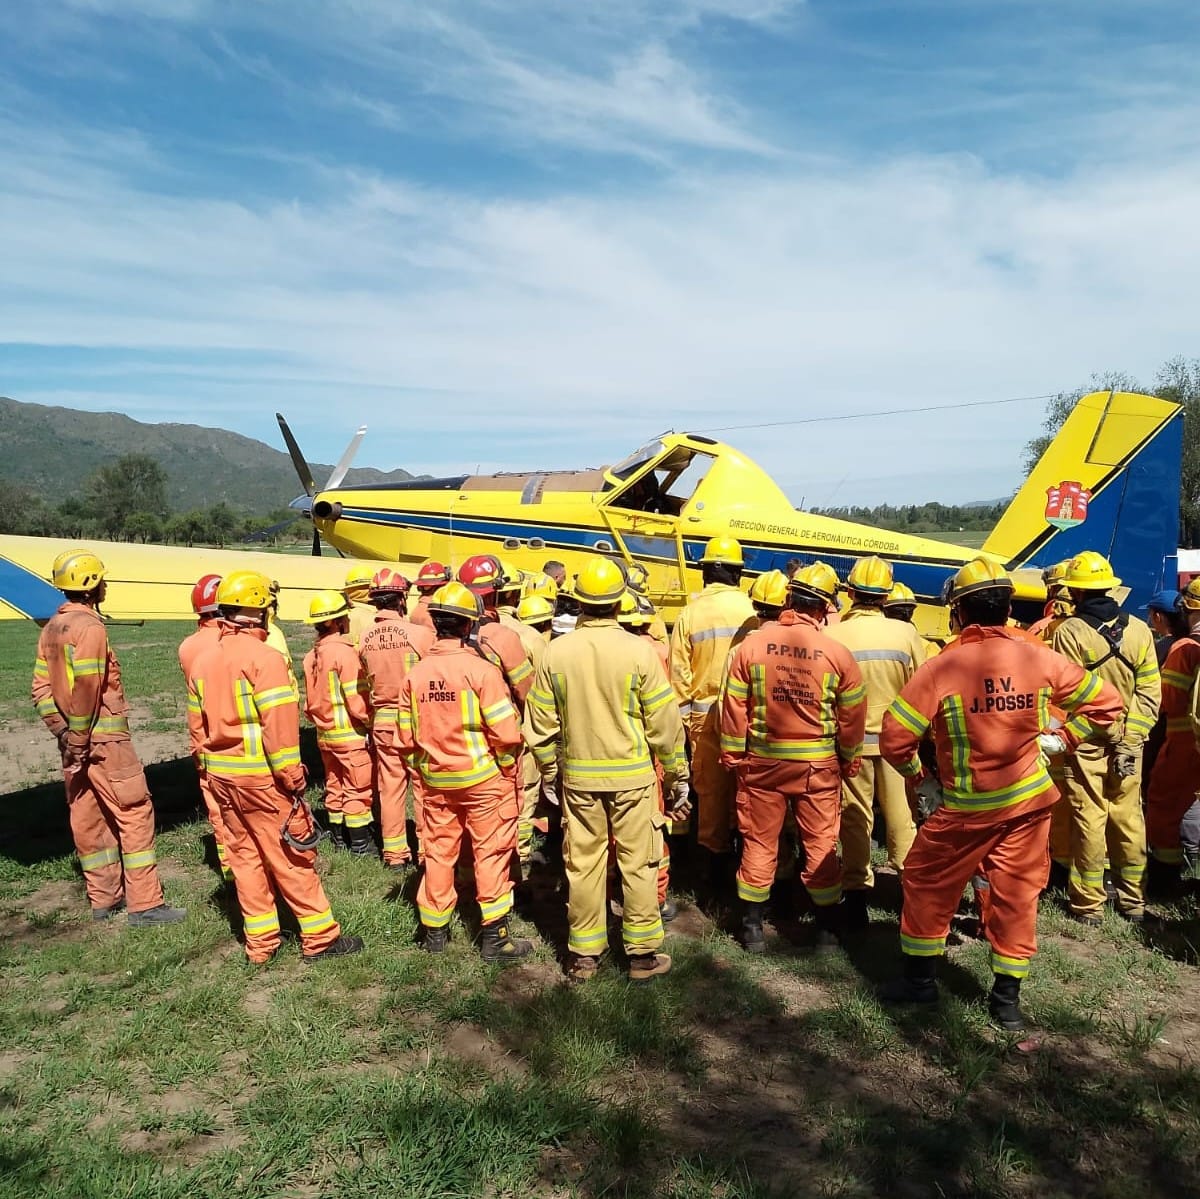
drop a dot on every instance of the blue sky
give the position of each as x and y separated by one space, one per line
529 234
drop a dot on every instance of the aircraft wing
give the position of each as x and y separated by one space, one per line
154 582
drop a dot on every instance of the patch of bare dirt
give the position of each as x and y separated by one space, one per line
257 1001
469 1044
11 1061
56 910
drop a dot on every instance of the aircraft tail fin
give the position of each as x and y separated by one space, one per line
1109 481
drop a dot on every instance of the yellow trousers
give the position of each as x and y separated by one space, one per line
1106 822
636 826
875 781
715 787
531 792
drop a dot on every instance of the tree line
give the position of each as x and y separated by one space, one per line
921 518
126 500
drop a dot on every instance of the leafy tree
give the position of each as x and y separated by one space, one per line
187 527
223 523
143 527
134 483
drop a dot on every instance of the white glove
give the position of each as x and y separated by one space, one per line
679 806
550 792
1051 744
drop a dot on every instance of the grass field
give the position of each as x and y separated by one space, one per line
151 1064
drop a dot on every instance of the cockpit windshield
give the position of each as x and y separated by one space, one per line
636 460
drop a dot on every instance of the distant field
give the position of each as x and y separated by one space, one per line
155 1064
972 539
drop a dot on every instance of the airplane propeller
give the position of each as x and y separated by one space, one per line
305 475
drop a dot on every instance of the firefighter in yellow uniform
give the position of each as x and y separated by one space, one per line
1103 782
705 632
901 604
888 653
601 698
357 590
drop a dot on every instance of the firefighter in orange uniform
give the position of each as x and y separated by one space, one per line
705 631
793 715
208 632
338 702
78 694
483 575
430 577
242 710
987 704
389 649
888 653
1175 776
456 718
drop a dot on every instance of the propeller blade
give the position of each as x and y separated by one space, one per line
339 472
302 468
316 548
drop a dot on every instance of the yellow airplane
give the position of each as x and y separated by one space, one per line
1109 481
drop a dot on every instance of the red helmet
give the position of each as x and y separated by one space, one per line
204 596
388 582
481 574
432 575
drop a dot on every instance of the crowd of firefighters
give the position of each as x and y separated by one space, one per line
798 716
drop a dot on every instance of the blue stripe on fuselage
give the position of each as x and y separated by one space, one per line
27 592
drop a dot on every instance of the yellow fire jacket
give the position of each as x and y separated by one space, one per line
1133 671
704 633
604 696
887 652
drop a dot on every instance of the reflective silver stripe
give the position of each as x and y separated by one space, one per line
713 634
701 706
870 738
883 655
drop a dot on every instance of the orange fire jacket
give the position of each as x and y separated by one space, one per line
793 694
337 692
986 703
77 681
514 661
389 649
207 634
243 713
456 718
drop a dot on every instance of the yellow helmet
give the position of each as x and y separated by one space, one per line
541 584
535 609
1090 571
77 570
358 578
636 611
818 581
601 581
770 589
980 574
245 589
1056 573
636 576
511 577
453 599
1190 598
326 605
900 596
723 551
871 576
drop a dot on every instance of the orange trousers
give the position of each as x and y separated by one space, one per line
348 772
767 789
112 822
264 867
213 811
393 776
487 813
715 785
1013 856
1174 782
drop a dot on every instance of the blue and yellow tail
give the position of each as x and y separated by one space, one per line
1109 481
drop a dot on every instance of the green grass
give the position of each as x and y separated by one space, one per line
155 1063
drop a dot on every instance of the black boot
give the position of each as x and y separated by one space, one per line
753 938
854 911
495 945
360 842
830 926
918 983
435 940
1004 1003
340 948
1163 879
338 835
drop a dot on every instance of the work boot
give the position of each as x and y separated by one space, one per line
855 917
645 966
436 940
829 927
337 835
340 948
582 969
495 945
918 983
360 842
1110 887
1004 1003
1088 919
99 914
159 915
668 910
753 938
1163 879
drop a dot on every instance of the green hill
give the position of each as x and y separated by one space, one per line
52 451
